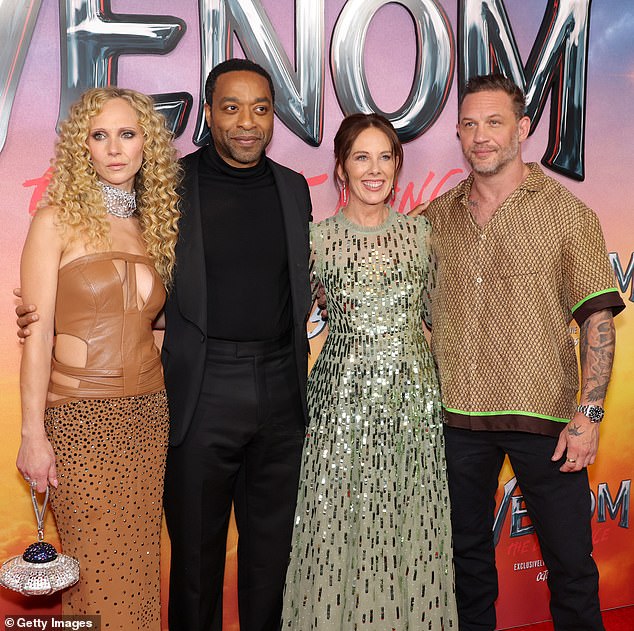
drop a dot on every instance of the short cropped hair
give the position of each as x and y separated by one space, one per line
496 82
234 65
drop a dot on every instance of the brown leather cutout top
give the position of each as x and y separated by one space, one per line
98 302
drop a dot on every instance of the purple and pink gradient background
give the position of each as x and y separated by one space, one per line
389 59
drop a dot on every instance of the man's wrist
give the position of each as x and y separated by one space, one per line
594 412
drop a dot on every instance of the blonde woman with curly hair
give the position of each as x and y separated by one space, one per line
97 262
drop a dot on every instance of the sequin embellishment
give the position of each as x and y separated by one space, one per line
372 537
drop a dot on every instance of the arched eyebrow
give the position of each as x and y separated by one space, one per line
116 130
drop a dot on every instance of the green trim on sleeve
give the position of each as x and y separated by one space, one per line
509 412
594 295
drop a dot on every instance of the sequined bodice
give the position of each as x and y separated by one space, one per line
99 304
377 280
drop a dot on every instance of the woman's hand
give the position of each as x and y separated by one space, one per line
36 462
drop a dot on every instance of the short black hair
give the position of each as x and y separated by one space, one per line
234 65
492 83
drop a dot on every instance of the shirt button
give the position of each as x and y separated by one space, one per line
483 237
478 279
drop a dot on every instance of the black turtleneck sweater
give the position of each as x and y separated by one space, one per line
248 289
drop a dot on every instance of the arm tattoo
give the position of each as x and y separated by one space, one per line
596 352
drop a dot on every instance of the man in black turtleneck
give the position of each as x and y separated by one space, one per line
235 359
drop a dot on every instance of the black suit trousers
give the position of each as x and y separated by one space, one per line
243 447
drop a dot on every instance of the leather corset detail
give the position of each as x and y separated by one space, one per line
98 302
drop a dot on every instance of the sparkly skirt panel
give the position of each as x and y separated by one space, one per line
372 536
110 457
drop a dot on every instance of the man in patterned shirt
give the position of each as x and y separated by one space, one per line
518 258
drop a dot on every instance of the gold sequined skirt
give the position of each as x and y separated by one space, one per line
110 458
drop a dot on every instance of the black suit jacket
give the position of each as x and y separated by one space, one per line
185 342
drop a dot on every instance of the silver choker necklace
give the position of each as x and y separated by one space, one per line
118 202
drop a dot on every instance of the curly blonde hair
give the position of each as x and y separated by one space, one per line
75 194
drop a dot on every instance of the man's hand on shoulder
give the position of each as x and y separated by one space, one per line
419 210
26 315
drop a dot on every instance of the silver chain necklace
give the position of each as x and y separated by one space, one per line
118 202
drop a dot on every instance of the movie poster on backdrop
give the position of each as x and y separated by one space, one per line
407 59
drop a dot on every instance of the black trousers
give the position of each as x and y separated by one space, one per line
244 447
559 507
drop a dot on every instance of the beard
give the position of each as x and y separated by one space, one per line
503 157
230 150
227 147
244 155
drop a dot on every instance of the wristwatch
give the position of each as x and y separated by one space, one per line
593 412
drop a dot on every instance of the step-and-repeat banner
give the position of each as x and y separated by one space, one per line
328 58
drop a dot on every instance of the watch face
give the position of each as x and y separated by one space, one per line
593 412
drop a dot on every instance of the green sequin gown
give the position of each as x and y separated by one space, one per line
372 537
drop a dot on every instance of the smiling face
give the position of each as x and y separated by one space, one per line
240 117
369 168
490 133
115 142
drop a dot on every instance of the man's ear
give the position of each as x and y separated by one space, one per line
524 125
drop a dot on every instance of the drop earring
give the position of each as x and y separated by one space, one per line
343 198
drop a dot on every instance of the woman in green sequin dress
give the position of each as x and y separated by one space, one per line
372 537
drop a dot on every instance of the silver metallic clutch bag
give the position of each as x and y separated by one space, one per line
41 569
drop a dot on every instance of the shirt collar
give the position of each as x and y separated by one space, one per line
535 181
